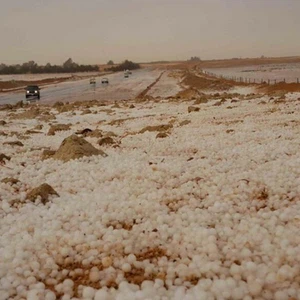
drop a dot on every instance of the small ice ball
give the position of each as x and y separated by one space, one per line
107 262
50 296
126 267
102 295
88 292
254 288
131 258
94 275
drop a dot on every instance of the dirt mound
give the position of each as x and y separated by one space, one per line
10 180
28 114
74 147
58 127
202 99
282 87
106 141
58 104
193 108
188 93
185 122
47 153
203 83
14 143
161 135
38 127
159 128
2 122
43 191
84 132
86 112
3 158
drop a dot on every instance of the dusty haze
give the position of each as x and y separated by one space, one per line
144 30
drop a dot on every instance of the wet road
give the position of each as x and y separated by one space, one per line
119 88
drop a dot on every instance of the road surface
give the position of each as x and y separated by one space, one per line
119 88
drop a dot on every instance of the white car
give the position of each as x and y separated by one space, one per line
104 80
92 81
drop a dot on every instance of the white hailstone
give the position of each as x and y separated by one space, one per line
94 275
281 295
68 283
64 251
31 280
285 272
235 269
50 296
254 287
131 258
107 261
102 295
126 267
251 266
33 295
35 265
4 295
238 293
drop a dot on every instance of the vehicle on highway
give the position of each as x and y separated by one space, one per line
93 81
104 80
32 91
126 74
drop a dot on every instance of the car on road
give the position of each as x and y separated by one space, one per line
32 91
104 80
93 81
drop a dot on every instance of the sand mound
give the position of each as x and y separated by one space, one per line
10 180
58 127
28 114
161 135
44 191
74 147
14 143
159 128
193 108
3 157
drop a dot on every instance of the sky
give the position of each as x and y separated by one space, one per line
95 31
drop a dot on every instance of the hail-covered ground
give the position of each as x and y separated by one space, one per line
192 201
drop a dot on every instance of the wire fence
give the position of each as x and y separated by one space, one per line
251 80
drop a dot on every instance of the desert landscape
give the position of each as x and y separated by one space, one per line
172 185
149 150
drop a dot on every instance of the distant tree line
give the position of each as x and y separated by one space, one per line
32 67
126 65
195 58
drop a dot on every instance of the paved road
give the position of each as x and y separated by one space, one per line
119 88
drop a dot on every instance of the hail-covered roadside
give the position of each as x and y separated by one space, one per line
199 205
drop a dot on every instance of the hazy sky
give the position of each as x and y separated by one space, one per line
94 31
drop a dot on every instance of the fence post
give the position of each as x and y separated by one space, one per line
268 81
297 80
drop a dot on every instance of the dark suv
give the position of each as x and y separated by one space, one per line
32 91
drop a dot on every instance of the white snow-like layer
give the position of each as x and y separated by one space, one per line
167 86
219 197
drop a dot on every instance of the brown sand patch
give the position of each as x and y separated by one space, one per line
43 191
74 147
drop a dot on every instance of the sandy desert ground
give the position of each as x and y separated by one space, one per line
189 188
